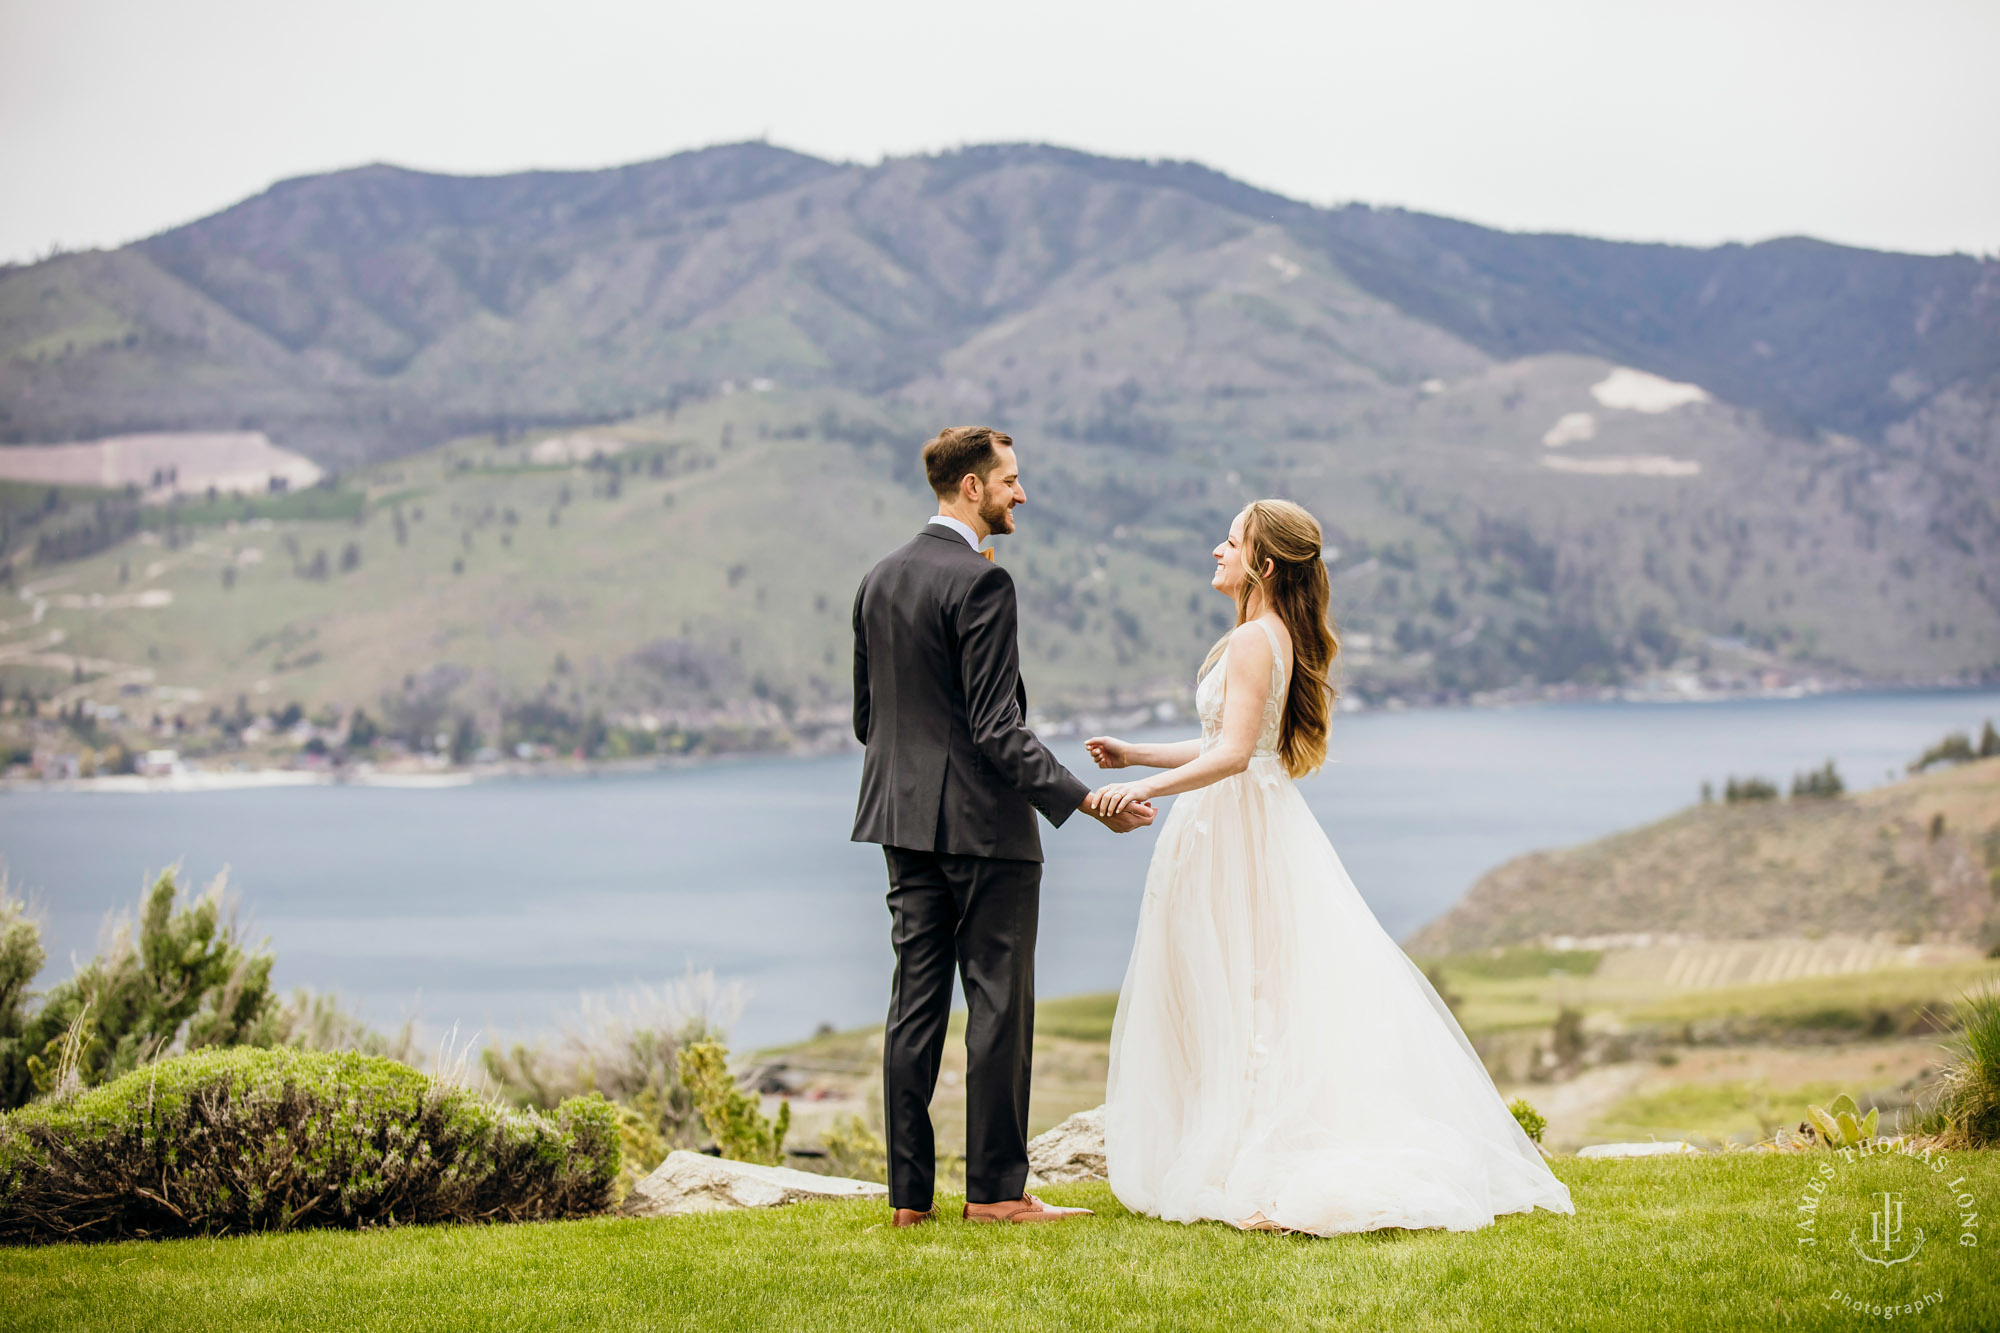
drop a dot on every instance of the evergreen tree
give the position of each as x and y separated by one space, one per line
182 979
1822 782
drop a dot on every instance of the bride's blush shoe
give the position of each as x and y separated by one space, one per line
1027 1208
1258 1222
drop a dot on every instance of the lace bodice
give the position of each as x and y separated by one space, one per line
1208 699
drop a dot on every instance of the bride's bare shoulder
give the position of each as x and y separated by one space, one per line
1266 631
1249 647
1250 637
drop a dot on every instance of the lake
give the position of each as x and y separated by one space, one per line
493 906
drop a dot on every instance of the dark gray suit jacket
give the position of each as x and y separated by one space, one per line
938 701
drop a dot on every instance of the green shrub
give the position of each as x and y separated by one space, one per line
742 1132
1967 1110
855 1150
21 957
1738 790
1532 1121
625 1045
641 1146
241 1140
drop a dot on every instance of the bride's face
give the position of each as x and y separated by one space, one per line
1229 561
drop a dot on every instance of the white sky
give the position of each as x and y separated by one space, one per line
1860 121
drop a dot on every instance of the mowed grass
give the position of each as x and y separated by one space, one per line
1691 1243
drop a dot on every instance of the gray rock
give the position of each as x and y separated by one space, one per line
1072 1151
691 1182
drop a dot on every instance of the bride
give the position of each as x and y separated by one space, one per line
1276 1061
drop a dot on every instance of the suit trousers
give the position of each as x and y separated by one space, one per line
975 915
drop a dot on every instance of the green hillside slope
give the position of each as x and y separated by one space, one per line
702 572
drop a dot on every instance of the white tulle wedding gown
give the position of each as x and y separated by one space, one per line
1276 1060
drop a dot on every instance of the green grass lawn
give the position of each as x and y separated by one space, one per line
1700 1243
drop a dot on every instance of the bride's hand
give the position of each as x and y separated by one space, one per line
1114 797
1109 751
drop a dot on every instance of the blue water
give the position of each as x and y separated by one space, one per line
494 906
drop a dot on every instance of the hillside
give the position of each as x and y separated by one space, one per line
698 569
1542 459
1913 861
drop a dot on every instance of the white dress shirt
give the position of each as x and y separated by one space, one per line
947 521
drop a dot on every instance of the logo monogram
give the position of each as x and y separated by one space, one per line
1885 1233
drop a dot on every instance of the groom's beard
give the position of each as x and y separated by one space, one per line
997 515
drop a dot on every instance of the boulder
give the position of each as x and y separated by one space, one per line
1668 1148
692 1182
1072 1151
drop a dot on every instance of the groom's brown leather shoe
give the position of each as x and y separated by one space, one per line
909 1217
1027 1208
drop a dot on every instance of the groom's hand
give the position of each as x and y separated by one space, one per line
1134 816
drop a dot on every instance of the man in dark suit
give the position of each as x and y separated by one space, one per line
950 787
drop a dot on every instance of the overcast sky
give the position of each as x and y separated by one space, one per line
1873 123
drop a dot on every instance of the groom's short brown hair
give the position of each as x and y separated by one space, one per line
957 450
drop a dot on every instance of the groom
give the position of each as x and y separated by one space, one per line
949 788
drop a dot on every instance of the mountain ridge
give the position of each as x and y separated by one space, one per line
353 263
1809 483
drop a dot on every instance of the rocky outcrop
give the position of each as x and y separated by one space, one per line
1072 1151
690 1182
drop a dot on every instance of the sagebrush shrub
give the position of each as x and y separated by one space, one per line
240 1140
743 1133
625 1045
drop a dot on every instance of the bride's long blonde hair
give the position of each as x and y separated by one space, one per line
1299 591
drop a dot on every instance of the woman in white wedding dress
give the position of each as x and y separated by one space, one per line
1276 1061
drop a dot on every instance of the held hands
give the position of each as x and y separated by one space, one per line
1131 815
1122 806
1109 751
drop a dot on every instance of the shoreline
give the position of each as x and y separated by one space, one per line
197 780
